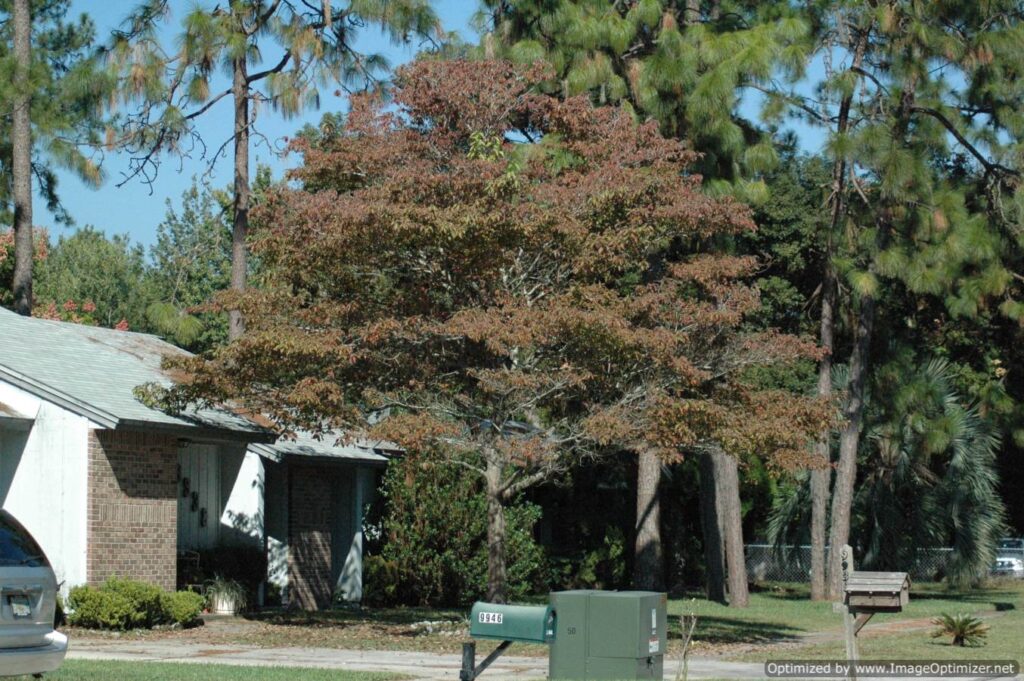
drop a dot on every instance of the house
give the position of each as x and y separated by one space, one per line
110 486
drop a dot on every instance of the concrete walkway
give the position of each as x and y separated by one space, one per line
413 664
418 665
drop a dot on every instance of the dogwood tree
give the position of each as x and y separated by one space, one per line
513 279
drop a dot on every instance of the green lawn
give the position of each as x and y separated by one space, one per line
1004 642
83 670
778 620
776 625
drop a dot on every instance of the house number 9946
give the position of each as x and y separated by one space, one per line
491 618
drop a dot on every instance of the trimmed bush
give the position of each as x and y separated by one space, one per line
182 607
97 608
146 599
123 604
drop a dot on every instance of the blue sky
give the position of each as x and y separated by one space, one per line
136 209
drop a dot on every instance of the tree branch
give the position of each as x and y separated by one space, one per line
990 166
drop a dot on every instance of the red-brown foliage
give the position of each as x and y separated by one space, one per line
506 273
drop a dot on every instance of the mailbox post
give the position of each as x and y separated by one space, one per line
864 594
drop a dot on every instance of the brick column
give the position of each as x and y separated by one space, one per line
132 507
310 536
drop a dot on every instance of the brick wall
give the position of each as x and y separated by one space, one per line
310 586
132 507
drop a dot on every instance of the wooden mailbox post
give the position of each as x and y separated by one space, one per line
864 594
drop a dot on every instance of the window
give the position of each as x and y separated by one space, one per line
17 547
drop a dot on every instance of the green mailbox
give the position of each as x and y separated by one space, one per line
608 635
593 634
527 623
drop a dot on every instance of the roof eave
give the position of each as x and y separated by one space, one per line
18 423
200 432
41 390
370 459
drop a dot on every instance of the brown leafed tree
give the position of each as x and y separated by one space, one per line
512 279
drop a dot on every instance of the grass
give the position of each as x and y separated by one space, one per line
88 670
780 621
904 635
784 611
1003 643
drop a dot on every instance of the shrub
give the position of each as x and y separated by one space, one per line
146 599
98 608
182 607
123 604
965 629
429 543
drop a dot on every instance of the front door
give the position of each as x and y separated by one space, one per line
199 497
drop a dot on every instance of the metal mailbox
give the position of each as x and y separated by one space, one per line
877 591
527 623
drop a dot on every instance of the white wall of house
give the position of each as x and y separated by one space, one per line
276 514
43 479
363 489
244 483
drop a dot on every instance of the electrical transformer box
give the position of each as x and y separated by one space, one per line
608 635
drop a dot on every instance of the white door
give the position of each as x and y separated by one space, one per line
199 497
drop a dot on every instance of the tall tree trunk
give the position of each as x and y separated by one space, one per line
727 473
497 577
648 566
240 205
711 523
821 476
21 159
846 471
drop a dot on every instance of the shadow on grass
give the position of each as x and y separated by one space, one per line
730 630
351 616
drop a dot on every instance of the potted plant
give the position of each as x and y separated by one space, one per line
226 596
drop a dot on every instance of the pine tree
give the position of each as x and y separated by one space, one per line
683 64
910 87
21 157
55 98
314 46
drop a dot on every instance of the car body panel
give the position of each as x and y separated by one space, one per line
37 660
28 603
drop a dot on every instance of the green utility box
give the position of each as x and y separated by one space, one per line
530 623
608 635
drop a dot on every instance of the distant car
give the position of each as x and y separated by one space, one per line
28 602
1010 548
1008 567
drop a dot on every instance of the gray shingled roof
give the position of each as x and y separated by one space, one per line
328 446
93 371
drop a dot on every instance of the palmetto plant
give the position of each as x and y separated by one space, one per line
926 476
929 475
965 629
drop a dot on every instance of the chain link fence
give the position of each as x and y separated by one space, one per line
767 563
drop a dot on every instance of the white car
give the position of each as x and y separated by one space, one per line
1008 567
28 602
